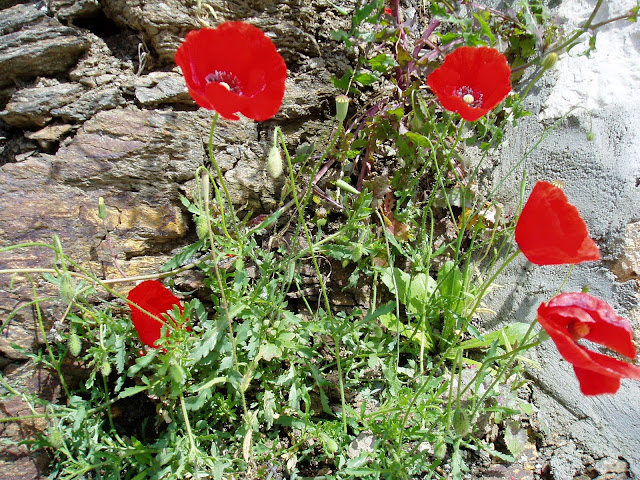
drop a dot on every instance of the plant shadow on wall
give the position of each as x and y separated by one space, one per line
244 363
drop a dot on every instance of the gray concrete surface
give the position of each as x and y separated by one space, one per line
602 178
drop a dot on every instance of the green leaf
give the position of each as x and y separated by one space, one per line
484 26
181 258
189 206
414 292
131 391
382 62
366 78
514 332
363 13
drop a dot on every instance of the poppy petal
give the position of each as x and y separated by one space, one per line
550 230
481 72
592 383
156 299
595 320
606 327
233 68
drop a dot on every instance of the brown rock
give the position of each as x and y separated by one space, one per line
17 462
139 161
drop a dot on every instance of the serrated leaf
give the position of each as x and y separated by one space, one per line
180 259
382 62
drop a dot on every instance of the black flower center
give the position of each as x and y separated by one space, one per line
471 97
226 79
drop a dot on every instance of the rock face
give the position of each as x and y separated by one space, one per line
32 44
92 105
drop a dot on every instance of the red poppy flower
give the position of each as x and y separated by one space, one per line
233 68
570 317
550 230
471 81
156 299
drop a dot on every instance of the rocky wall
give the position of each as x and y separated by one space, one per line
92 105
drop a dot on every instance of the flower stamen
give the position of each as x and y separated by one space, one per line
469 96
578 330
227 80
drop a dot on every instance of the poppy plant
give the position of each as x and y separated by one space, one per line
570 317
233 68
471 81
156 299
550 230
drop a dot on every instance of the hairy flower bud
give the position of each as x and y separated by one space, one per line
274 162
176 372
105 368
74 344
549 61
461 422
202 229
67 288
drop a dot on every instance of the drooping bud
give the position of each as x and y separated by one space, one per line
105 368
549 61
342 107
176 372
440 449
102 209
461 422
274 162
356 252
67 288
74 344
202 229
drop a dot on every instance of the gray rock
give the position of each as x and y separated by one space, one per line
19 16
90 103
100 67
69 10
41 48
162 23
162 87
565 462
31 107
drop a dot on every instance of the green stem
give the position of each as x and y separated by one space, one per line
185 415
222 182
325 296
490 281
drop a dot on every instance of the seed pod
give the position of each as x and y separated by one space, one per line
342 107
74 344
274 162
